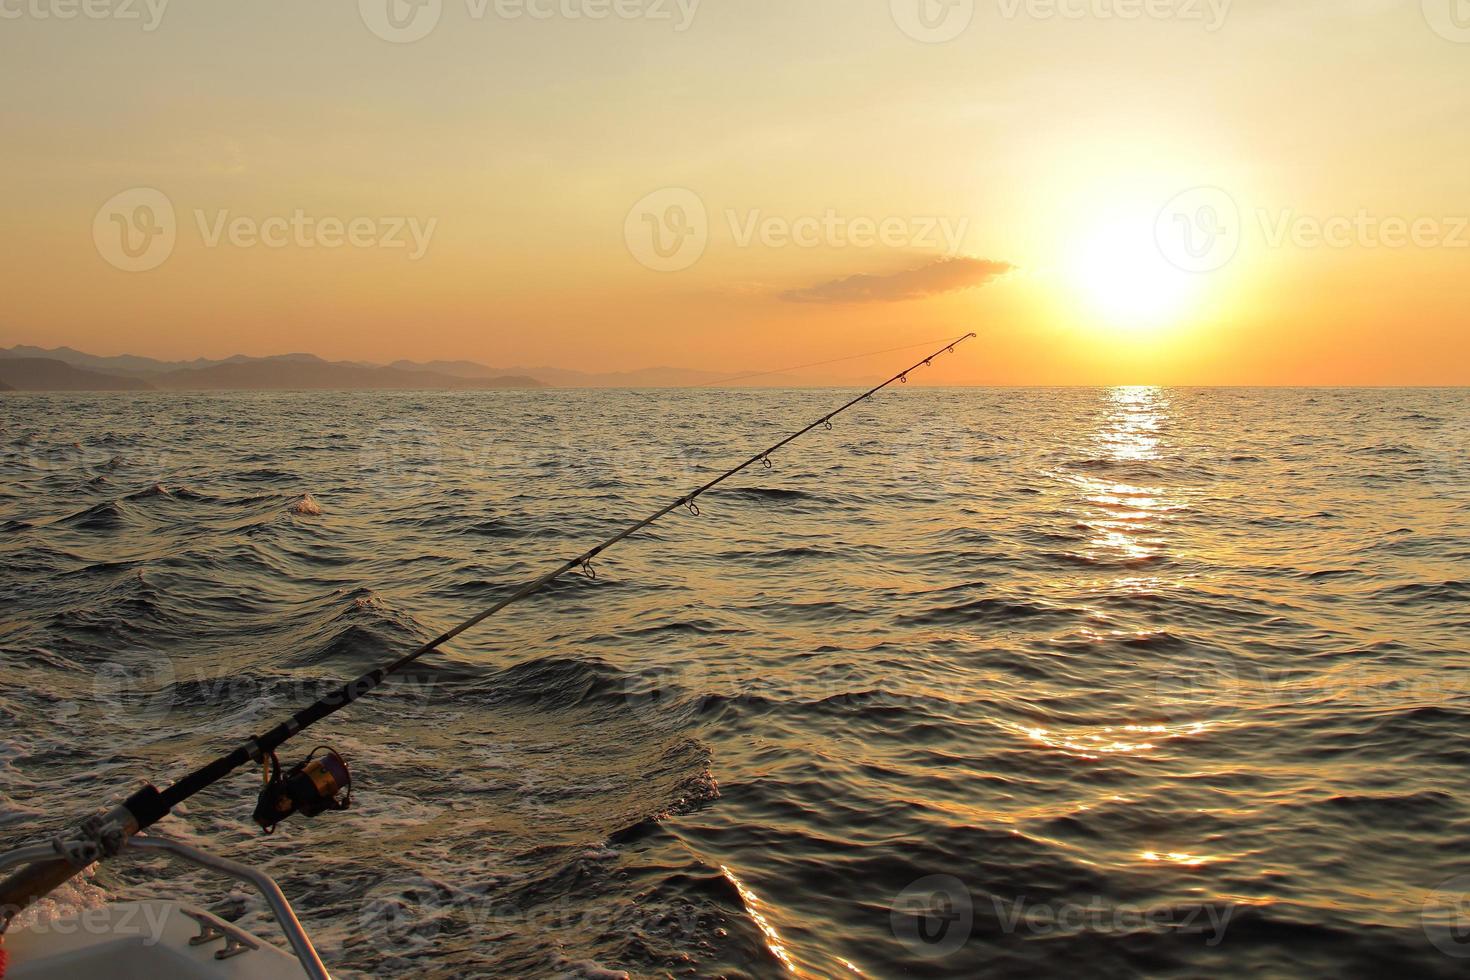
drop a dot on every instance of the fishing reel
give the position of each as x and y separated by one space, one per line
313 786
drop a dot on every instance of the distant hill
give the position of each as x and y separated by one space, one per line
287 371
121 364
64 369
48 374
655 377
457 369
307 372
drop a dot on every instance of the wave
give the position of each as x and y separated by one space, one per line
1095 561
990 611
768 494
110 515
566 682
306 506
824 693
157 490
494 528
1424 592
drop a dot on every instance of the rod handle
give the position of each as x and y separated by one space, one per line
30 883
94 839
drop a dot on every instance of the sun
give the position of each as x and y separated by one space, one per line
1123 281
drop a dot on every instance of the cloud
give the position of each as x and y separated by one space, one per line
939 276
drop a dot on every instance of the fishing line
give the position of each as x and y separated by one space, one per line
801 367
312 786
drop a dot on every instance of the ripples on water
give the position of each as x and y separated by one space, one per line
1121 664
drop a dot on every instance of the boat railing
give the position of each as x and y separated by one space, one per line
236 941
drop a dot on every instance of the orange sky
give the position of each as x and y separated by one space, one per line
1214 193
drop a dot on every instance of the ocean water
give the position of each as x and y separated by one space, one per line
979 683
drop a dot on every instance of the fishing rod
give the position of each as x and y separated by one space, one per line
321 783
720 382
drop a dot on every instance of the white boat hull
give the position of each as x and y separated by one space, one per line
142 941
